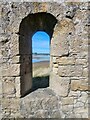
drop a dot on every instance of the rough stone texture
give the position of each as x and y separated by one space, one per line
43 104
63 84
67 25
79 85
70 71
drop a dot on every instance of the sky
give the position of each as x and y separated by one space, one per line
40 42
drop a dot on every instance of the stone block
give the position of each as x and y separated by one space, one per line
85 72
59 44
81 16
70 71
54 114
11 105
66 108
50 104
14 28
60 85
0 110
3 38
59 47
66 60
74 94
15 49
65 26
0 87
84 97
11 70
70 115
14 39
39 114
15 59
14 44
15 105
81 61
18 86
55 70
85 115
78 85
67 101
81 110
8 89
5 104
78 104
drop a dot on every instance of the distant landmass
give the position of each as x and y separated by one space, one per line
40 53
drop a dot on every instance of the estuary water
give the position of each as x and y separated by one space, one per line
40 57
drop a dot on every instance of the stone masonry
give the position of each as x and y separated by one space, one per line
67 25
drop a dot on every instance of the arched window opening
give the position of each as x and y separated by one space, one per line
40 59
29 27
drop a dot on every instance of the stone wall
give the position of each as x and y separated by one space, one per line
67 95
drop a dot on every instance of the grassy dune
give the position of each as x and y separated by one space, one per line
41 73
41 69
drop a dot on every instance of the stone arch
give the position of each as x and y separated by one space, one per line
33 22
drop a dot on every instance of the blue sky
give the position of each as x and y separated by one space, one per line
40 42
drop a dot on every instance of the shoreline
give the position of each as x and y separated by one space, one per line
41 64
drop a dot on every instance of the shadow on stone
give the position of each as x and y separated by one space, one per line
40 82
37 83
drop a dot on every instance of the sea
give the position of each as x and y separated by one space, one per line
40 57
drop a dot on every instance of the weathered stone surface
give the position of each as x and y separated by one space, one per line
85 72
82 61
69 70
17 86
8 87
10 107
54 59
6 103
60 42
78 104
74 94
67 101
61 83
15 49
59 49
0 89
43 105
84 97
0 110
11 70
55 70
15 105
15 59
68 61
65 108
81 110
78 85
55 65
